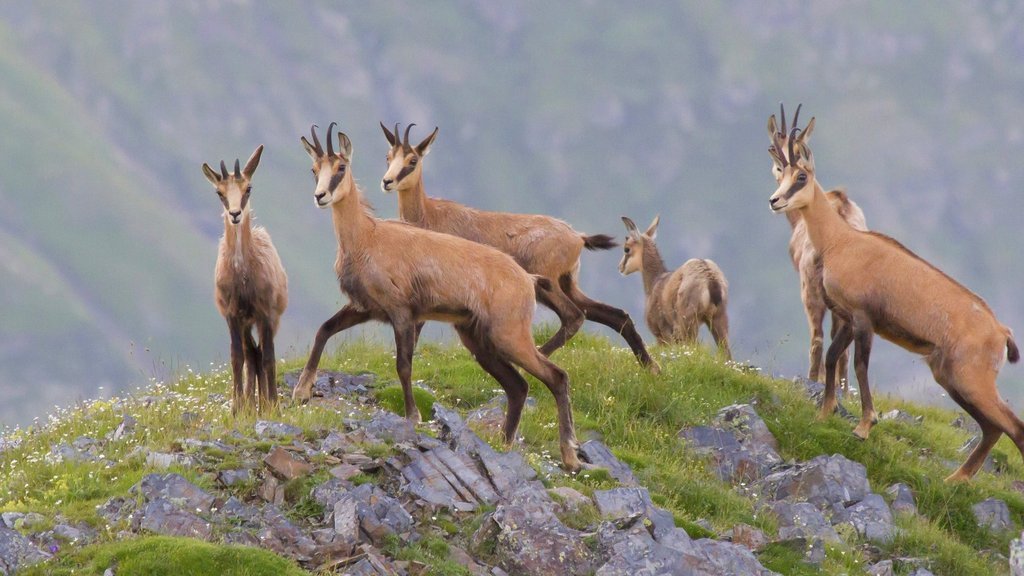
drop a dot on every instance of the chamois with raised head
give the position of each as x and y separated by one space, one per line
880 287
402 275
677 302
250 287
542 245
806 261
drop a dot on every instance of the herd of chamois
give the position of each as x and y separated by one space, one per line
399 272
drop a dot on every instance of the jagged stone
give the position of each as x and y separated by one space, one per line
902 499
431 478
530 539
883 568
749 537
164 460
993 514
822 481
267 430
68 453
390 427
176 489
7 519
161 516
344 471
124 429
116 509
331 384
898 415
238 512
80 533
489 417
286 464
336 442
568 499
279 535
733 460
271 490
380 514
17 552
871 519
622 504
595 452
747 425
235 477
1017 556
802 520
346 517
328 493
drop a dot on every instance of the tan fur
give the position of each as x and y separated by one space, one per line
250 288
542 245
878 286
808 266
399 274
678 302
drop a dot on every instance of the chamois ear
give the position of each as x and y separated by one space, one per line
387 134
310 149
652 230
345 146
424 147
805 158
212 176
252 163
630 227
805 135
773 127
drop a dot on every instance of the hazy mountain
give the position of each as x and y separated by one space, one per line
585 110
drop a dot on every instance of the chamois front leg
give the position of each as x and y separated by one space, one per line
253 366
863 335
268 387
568 313
839 344
842 366
405 336
345 318
815 318
237 362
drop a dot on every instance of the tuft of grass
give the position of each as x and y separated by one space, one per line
430 550
392 398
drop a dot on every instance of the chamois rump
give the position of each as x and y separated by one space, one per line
250 287
677 302
876 285
540 244
402 275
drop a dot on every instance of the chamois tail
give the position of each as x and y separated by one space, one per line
599 242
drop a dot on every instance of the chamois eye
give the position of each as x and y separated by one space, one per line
626 249
413 161
802 177
314 175
248 190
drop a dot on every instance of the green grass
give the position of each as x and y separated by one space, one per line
637 415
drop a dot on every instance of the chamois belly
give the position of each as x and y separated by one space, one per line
888 319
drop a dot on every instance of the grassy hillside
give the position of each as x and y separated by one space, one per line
635 414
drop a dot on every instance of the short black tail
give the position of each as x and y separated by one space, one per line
715 292
541 282
1012 354
599 242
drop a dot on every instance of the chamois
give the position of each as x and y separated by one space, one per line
402 275
878 286
808 264
677 302
251 288
540 244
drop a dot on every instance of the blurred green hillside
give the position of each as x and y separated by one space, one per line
584 110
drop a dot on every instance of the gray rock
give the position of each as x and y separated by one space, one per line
883 568
716 558
81 533
235 477
822 481
328 493
749 537
993 514
1017 556
595 452
331 384
279 535
286 464
488 417
747 425
871 519
568 499
635 552
17 552
733 461
161 516
390 427
898 415
902 499
9 519
174 488
336 442
622 504
266 430
380 514
532 540
444 478
803 520
124 429
68 453
116 509
164 460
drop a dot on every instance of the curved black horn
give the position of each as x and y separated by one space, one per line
407 128
238 170
316 141
782 117
797 115
223 170
792 137
330 139
398 141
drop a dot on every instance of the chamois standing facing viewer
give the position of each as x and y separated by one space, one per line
878 286
540 244
250 287
402 275
807 262
677 302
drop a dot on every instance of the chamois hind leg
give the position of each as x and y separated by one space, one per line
612 317
268 385
253 373
516 344
839 344
416 338
515 386
568 313
815 317
719 327
842 365
345 318
405 334
237 363
863 335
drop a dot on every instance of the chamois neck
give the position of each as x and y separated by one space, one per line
237 238
793 217
653 266
412 202
350 218
825 227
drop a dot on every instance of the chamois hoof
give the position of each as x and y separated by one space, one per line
862 431
653 367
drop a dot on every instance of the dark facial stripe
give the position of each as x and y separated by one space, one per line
405 172
336 179
796 187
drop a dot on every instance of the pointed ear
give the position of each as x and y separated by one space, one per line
212 176
253 162
652 230
345 146
388 134
424 147
806 159
310 149
772 127
630 226
805 135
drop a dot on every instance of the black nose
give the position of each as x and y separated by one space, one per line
773 201
387 182
235 214
320 195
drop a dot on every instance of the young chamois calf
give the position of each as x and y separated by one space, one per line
402 275
251 288
677 302
806 261
878 286
542 245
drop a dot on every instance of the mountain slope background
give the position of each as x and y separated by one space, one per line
586 111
